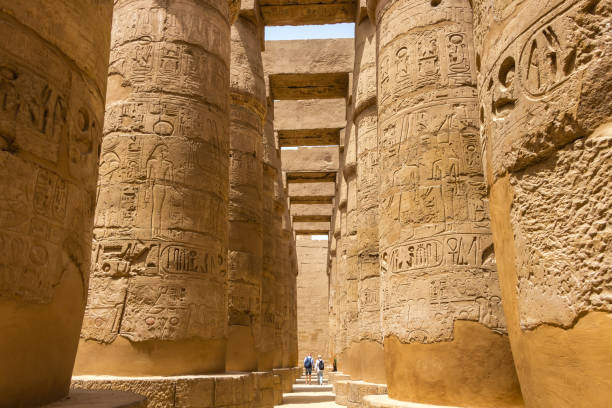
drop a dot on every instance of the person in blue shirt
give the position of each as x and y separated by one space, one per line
308 363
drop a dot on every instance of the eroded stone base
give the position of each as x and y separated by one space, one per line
383 401
201 391
351 393
287 377
100 399
475 369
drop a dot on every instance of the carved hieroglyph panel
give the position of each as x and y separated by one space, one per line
543 90
545 84
436 253
161 218
50 131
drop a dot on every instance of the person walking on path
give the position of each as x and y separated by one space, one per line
308 363
320 366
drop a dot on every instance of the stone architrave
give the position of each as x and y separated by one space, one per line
444 327
545 93
157 294
365 117
53 59
247 114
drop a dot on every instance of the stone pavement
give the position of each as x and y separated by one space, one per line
310 396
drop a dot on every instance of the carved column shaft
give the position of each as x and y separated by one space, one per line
247 114
440 289
53 59
269 269
157 294
545 106
371 355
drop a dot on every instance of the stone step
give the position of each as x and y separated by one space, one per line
308 397
314 378
312 388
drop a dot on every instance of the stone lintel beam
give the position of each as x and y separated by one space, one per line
301 12
312 122
309 86
311 200
309 137
310 176
311 212
314 191
309 69
310 159
312 228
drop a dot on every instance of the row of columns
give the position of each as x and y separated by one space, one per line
193 264
449 283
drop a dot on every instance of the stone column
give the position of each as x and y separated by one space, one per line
352 364
365 116
342 337
336 253
287 279
247 114
157 295
444 328
545 107
53 59
280 206
333 290
268 294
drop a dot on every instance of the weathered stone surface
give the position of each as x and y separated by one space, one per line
201 391
247 113
278 12
370 354
312 286
383 401
357 390
312 228
269 266
308 69
545 106
100 399
311 212
436 249
314 122
52 86
160 235
310 159
322 191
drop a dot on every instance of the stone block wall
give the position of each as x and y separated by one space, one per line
312 297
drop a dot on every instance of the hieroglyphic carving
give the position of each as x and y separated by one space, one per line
247 115
436 250
161 218
50 113
540 90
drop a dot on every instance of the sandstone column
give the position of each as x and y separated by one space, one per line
157 295
342 337
53 59
349 238
444 328
280 206
545 107
365 116
247 113
268 294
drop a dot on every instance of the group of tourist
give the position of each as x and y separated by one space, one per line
318 365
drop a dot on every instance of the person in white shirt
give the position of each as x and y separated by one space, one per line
320 366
